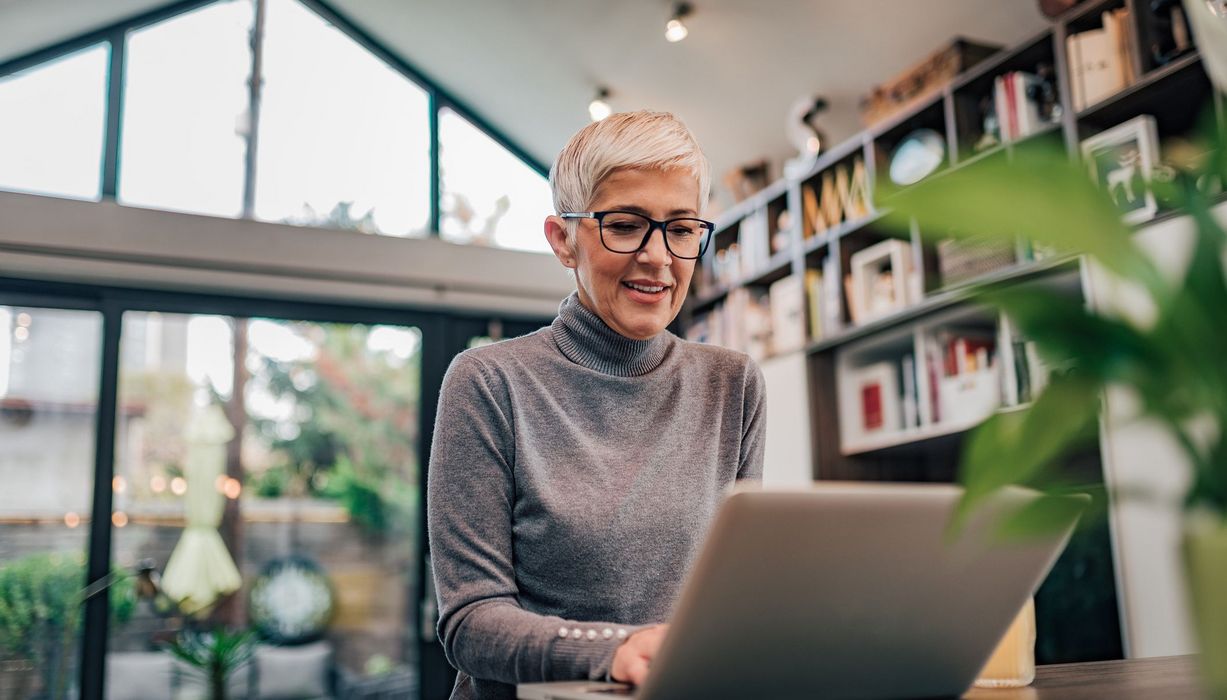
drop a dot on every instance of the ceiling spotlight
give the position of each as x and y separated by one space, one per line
598 108
675 31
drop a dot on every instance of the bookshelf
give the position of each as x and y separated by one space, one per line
964 361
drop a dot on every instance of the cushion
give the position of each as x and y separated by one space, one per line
292 673
139 675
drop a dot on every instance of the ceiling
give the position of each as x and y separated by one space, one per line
529 67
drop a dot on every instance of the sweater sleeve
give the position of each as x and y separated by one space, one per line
469 501
754 424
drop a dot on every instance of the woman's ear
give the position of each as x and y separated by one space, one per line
556 234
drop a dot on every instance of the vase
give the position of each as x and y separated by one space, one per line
1205 563
1208 19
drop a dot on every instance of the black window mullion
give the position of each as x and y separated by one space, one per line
97 608
436 176
115 97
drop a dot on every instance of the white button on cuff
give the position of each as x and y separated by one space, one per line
607 633
576 633
592 635
562 632
621 633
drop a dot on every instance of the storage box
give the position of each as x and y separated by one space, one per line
960 260
923 80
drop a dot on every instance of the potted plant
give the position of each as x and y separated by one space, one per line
1173 362
214 655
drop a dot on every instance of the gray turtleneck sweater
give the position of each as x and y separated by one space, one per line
573 476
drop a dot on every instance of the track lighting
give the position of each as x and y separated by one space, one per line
675 31
598 108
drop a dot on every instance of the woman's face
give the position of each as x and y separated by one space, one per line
639 294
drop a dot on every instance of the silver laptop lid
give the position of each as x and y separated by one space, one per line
848 591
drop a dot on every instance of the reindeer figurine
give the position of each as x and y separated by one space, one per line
1123 175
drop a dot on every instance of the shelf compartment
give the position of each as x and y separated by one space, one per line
974 95
1177 95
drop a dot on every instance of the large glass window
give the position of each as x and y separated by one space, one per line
184 111
48 401
344 139
490 197
306 460
52 123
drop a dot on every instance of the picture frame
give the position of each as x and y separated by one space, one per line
1121 161
881 274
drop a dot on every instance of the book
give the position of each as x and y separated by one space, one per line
878 398
911 399
788 323
1097 67
814 292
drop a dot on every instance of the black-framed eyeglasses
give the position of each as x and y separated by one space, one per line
628 232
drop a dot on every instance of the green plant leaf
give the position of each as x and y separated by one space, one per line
1019 447
1047 514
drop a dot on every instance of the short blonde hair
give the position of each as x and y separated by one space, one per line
646 140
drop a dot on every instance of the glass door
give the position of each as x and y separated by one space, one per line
49 383
268 469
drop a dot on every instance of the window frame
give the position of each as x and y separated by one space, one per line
115 35
443 336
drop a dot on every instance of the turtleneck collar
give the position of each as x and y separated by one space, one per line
587 341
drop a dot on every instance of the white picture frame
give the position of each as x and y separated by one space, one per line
875 295
1132 149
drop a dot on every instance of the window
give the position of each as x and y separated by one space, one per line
344 139
48 402
490 196
324 477
185 103
52 123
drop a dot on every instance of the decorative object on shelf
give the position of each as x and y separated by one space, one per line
1208 19
1169 359
845 197
917 156
675 30
880 279
291 601
744 180
1121 160
803 133
922 81
599 107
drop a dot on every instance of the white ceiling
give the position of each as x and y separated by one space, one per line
529 67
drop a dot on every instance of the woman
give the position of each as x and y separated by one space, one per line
575 470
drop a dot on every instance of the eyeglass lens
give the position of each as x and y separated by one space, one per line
624 232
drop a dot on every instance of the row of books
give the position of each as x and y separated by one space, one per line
1019 101
794 310
741 322
746 256
1101 60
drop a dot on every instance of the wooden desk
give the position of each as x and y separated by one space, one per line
1165 678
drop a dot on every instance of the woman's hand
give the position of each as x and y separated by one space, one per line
632 660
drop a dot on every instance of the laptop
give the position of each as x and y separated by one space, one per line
847 591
